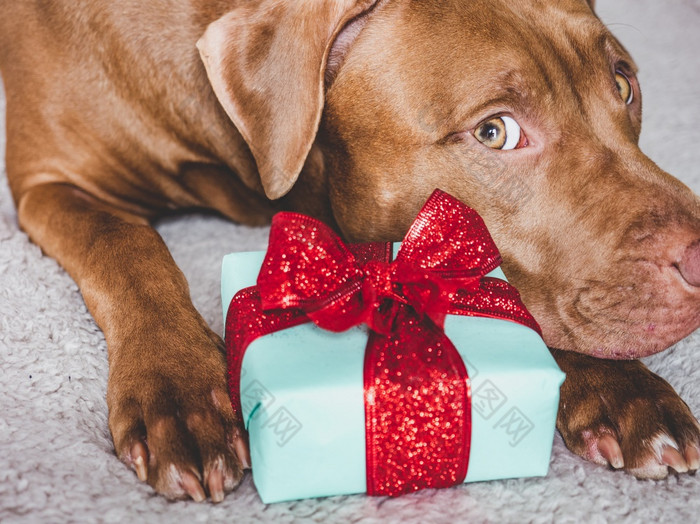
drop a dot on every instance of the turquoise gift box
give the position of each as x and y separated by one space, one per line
302 399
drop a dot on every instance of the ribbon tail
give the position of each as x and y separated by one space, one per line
417 410
495 298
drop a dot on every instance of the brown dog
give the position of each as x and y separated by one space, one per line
353 111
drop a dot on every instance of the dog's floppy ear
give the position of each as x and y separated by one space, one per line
266 62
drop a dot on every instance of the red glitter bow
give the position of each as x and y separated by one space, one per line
417 395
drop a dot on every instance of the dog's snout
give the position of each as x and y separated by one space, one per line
689 264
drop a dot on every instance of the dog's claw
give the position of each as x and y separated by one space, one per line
242 452
216 485
139 457
192 487
141 470
672 458
692 457
610 450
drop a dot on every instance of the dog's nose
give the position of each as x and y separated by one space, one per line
689 265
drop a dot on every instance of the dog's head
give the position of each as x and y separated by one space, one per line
529 112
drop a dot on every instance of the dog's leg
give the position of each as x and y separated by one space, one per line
618 412
169 412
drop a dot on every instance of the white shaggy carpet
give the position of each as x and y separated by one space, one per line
56 458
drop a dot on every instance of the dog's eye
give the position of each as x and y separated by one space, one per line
501 132
624 87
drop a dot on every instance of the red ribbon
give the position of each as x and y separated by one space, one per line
417 393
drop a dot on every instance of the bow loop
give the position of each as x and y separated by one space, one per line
308 266
450 239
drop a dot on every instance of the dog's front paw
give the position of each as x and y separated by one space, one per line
171 419
619 413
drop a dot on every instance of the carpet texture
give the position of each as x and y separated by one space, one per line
56 459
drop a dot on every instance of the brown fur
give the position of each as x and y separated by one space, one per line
113 120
